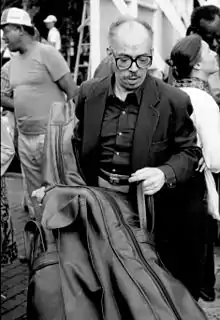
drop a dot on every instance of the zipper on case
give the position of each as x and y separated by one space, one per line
141 291
153 274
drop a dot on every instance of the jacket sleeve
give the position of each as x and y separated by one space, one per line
79 103
181 165
79 113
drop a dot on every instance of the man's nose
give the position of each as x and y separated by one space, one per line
214 54
133 67
215 44
4 37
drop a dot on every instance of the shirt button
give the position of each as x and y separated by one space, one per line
113 170
119 133
117 153
123 112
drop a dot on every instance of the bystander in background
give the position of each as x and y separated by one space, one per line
53 35
39 76
205 21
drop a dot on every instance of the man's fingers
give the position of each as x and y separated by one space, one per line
150 183
203 167
150 186
139 176
136 178
142 171
38 194
152 191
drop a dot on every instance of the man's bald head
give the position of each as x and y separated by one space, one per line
130 31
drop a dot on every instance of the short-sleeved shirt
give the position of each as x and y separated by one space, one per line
33 76
54 37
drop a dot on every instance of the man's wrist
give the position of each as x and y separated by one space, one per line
170 178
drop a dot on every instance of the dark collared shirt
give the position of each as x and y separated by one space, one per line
117 132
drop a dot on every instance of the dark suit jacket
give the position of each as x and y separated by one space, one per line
164 137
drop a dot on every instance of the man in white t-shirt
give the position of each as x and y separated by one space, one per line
53 35
39 76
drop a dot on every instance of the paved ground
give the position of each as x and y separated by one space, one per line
14 278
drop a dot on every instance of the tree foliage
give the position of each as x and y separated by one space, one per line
10 3
68 13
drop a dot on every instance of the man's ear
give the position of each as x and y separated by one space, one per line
21 29
109 51
197 66
110 55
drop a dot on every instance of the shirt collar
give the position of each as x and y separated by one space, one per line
193 83
137 93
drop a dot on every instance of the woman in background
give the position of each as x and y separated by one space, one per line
192 63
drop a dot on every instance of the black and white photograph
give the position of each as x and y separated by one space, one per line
110 159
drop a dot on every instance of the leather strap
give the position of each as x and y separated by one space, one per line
141 202
44 260
141 206
115 179
33 232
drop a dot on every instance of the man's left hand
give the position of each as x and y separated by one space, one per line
153 179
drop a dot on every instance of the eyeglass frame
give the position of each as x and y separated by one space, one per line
132 60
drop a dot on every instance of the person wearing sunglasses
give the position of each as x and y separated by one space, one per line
134 128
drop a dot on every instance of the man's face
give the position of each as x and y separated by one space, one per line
208 60
12 37
49 25
210 32
131 42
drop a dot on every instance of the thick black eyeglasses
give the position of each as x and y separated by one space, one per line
124 62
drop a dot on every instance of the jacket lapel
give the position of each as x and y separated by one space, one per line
146 124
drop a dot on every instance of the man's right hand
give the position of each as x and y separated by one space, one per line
201 165
39 194
153 179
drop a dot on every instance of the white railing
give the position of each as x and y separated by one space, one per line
95 48
174 18
126 7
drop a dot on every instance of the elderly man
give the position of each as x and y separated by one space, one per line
134 128
53 35
39 76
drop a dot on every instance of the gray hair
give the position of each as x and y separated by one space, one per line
127 19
